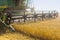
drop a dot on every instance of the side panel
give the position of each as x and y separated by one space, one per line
6 3
3 4
11 3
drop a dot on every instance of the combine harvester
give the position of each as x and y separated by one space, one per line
5 4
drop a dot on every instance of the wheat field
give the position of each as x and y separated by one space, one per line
45 30
15 36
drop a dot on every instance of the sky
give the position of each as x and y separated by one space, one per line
46 4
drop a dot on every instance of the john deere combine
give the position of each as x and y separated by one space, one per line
5 11
4 14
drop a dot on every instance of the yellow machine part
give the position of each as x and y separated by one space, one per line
3 6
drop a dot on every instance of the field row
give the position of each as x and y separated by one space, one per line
47 30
